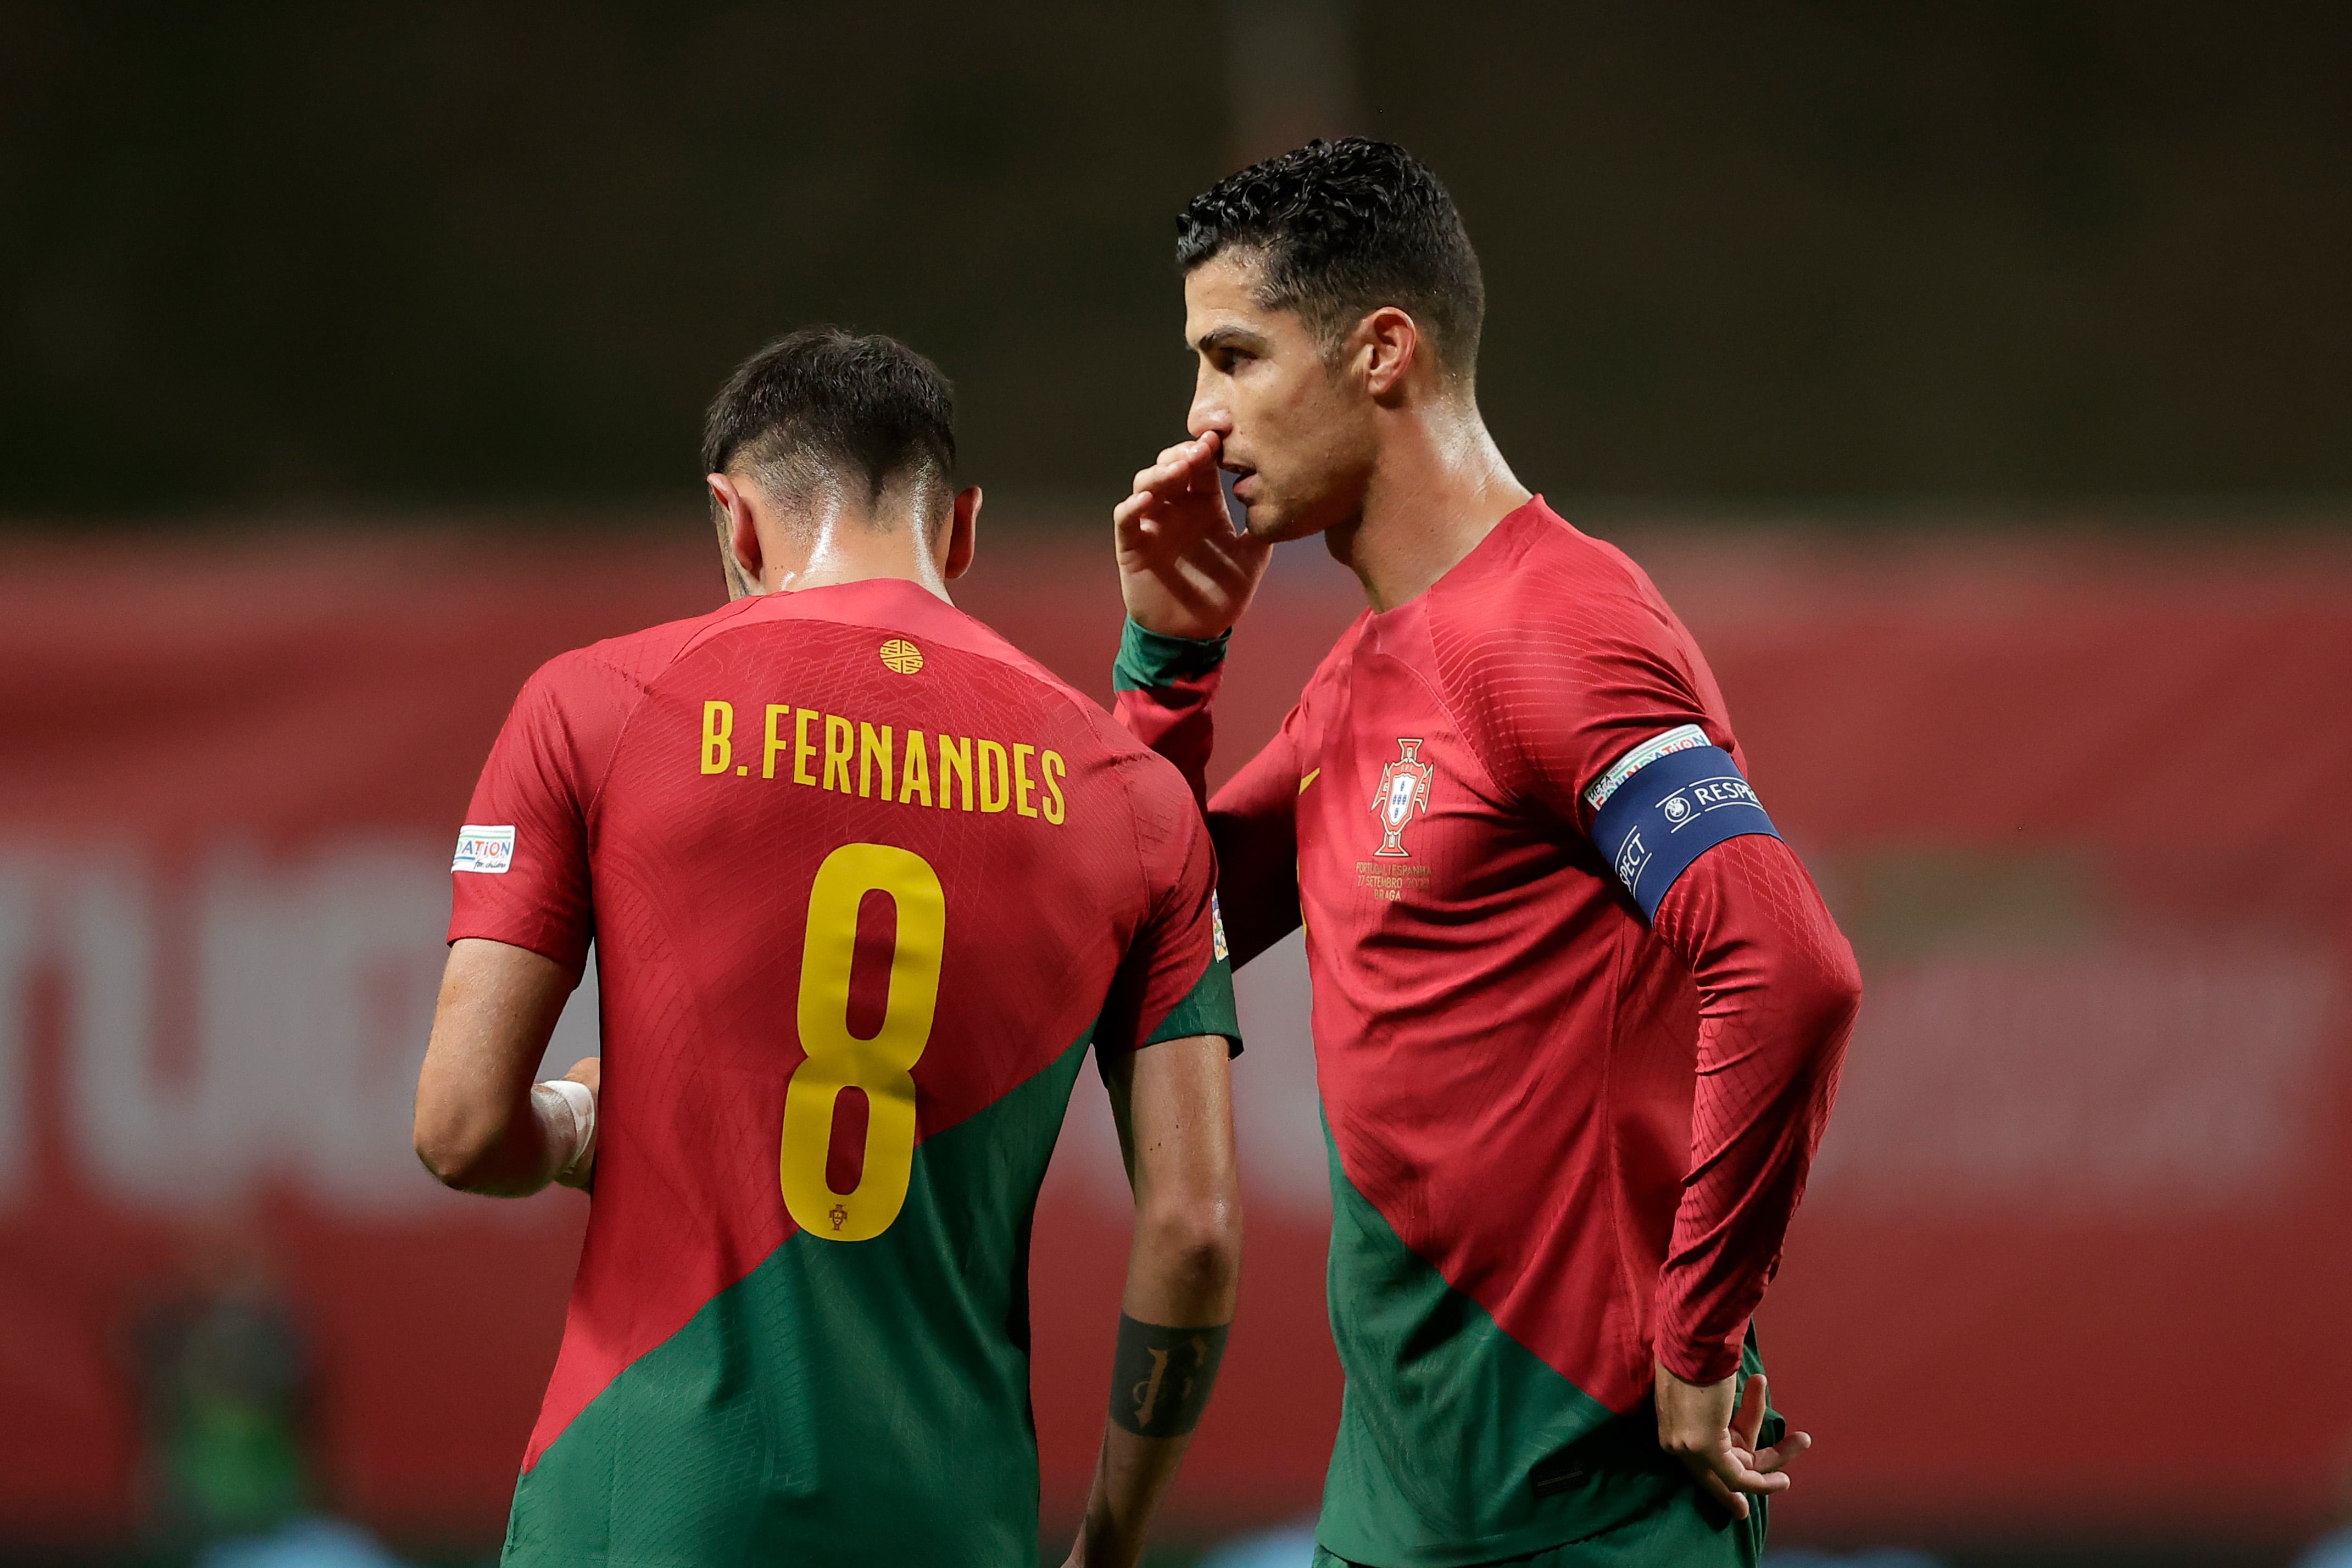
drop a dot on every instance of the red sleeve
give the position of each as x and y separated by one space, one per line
1552 697
1558 695
1173 718
534 795
1255 822
1778 993
1175 981
1167 704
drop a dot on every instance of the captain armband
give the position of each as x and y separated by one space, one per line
1162 1377
1666 803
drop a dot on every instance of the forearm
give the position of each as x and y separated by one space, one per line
1777 991
481 1125
1179 1299
1167 687
1164 691
1182 1274
519 1151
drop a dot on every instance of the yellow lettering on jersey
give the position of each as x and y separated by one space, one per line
804 748
772 742
1051 765
995 778
974 774
717 728
1022 783
916 781
839 735
880 1065
955 762
871 745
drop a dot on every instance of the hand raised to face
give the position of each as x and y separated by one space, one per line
1182 569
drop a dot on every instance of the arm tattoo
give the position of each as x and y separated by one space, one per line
1160 1378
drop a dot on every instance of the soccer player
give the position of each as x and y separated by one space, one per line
1578 1010
866 884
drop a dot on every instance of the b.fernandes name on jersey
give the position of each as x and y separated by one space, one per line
971 772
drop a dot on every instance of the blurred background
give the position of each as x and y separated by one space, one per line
1975 378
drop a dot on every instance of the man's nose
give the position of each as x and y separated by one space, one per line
1208 412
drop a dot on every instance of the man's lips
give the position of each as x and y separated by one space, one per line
1245 481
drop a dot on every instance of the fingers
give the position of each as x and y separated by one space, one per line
1188 465
1747 1421
1133 508
1716 1487
1165 498
1773 1461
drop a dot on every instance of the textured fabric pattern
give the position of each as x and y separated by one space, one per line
1508 1055
1009 872
1534 1460
760 1433
1777 1003
1148 661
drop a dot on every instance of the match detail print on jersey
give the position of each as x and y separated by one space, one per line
882 1067
1667 803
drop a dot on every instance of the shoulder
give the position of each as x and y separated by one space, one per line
1551 604
624 666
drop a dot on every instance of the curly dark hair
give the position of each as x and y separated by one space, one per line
1341 228
823 406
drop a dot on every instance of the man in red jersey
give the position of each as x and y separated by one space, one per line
864 884
1578 1010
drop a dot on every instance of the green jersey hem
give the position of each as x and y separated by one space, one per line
842 1403
1146 659
1207 1008
1535 1465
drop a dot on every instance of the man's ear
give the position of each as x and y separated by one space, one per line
963 531
739 536
1389 341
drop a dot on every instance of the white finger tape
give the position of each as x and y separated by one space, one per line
582 1102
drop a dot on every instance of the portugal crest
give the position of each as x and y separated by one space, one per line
1404 789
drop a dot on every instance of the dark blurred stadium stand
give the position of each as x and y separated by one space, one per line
381 255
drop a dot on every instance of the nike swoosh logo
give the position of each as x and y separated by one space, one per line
1310 779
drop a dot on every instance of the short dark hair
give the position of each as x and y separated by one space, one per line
1342 228
823 407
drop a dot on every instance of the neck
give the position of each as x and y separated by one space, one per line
834 544
1439 486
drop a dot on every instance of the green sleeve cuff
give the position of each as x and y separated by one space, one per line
1207 1008
1148 660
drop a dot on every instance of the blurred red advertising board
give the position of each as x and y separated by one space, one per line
2074 800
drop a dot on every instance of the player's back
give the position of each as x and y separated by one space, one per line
865 884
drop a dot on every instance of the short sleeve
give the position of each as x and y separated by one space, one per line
1175 980
1555 697
520 872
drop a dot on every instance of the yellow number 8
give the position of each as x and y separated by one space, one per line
838 1060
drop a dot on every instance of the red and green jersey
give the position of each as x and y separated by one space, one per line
1576 1014
864 885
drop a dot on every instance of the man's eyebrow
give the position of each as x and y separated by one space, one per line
1229 337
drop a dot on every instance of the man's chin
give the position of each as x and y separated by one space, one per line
1274 523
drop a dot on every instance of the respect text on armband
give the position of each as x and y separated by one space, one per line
810 748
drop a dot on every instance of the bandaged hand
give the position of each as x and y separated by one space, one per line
566 1110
